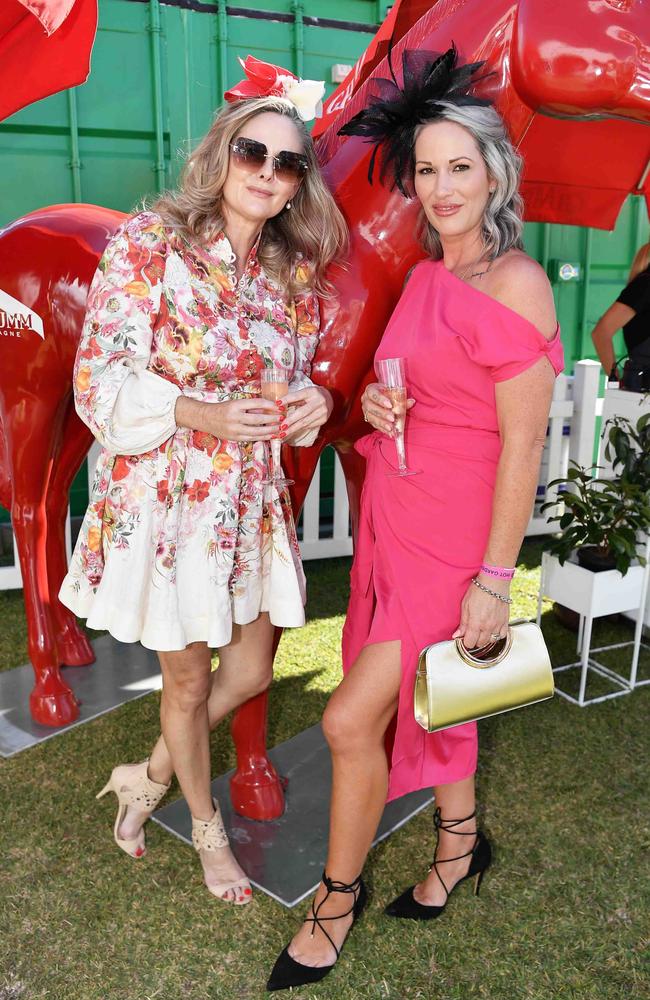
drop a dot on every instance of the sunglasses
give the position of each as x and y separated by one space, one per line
252 155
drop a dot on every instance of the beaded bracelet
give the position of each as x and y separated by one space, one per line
500 572
492 593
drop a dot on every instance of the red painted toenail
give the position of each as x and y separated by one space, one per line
139 852
240 899
248 892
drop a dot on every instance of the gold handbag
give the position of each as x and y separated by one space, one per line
455 684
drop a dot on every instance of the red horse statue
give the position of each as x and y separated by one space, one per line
552 63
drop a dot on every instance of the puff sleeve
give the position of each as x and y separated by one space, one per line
129 409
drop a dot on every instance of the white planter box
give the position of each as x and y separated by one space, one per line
590 593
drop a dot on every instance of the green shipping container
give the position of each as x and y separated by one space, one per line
158 73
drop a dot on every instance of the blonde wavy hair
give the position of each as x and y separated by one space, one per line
502 222
313 229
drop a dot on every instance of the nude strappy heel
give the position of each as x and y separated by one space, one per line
133 787
210 835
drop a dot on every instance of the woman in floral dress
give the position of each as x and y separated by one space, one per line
183 547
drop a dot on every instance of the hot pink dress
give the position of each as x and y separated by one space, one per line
422 538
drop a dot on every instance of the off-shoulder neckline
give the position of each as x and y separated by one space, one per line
513 312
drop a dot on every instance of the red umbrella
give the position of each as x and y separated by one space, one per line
572 81
45 47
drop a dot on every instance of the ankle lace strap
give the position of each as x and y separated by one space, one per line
332 886
449 826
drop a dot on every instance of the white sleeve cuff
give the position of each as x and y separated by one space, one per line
144 414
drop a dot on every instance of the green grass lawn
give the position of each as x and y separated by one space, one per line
563 914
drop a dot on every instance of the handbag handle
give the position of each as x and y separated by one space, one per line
469 656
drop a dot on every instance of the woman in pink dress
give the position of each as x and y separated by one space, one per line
476 324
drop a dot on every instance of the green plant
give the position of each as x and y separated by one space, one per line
628 449
606 514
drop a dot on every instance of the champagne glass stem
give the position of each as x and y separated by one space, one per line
401 451
276 457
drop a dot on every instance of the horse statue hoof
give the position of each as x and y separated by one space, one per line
52 703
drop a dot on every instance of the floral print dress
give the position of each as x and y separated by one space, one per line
180 538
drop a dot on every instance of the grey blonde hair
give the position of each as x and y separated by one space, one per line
502 223
313 229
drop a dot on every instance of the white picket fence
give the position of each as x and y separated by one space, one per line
571 435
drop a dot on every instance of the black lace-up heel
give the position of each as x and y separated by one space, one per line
286 971
407 906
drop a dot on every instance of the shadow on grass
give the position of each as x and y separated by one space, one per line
530 555
328 587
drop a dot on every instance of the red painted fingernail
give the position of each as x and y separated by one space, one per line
283 427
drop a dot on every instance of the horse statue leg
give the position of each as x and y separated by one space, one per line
256 789
32 432
74 649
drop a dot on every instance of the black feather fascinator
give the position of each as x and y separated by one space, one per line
394 112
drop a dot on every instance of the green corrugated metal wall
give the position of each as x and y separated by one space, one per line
158 73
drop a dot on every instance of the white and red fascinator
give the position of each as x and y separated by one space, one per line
266 80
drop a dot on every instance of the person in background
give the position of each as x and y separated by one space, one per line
631 313
641 261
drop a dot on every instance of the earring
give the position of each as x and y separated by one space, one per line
288 205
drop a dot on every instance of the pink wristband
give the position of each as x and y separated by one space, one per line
499 572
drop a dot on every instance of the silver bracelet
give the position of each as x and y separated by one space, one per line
492 593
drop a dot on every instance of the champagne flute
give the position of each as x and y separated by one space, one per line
275 385
392 375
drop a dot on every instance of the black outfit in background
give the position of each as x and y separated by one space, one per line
636 295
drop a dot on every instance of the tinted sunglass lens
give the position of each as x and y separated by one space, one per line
249 153
290 166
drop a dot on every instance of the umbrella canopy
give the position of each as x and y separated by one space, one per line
45 47
571 80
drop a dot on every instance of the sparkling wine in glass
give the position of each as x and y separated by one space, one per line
392 375
275 385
